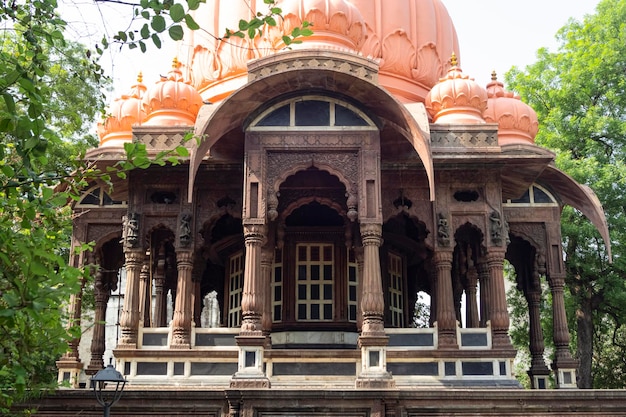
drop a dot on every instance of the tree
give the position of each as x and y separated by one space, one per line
579 93
49 87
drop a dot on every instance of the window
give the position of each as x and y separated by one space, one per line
535 195
308 111
353 286
235 289
396 304
277 286
314 282
96 197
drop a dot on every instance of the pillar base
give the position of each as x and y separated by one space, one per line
539 376
565 373
69 371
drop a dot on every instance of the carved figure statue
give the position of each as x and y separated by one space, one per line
496 228
132 230
443 230
185 230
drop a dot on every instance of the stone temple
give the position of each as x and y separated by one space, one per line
335 242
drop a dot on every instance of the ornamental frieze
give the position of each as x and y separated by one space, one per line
322 140
472 139
281 163
534 233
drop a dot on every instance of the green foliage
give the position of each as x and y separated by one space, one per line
579 93
158 17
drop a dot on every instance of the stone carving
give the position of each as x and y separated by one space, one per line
184 230
534 233
130 234
472 139
345 163
210 316
495 224
443 230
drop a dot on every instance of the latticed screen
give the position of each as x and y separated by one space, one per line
314 288
277 286
235 289
396 305
353 286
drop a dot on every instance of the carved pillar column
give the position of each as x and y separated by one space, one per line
373 340
129 320
181 322
485 290
98 345
499 314
69 365
538 370
145 293
446 317
564 365
471 313
267 257
251 340
160 307
252 297
372 302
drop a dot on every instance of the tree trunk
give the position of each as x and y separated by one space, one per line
584 322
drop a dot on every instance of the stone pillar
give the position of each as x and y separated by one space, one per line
564 365
160 307
129 320
181 322
358 254
485 297
446 317
267 257
98 346
251 340
373 340
538 372
69 365
471 313
145 293
499 314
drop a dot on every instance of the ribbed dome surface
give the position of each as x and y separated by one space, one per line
123 113
517 121
411 39
457 98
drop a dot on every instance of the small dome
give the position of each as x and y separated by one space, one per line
517 121
171 101
456 99
125 112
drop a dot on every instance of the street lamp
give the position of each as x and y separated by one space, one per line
108 385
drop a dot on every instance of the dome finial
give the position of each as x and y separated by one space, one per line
494 75
175 63
453 60
140 77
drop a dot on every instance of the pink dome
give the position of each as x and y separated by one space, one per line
171 101
125 112
517 121
411 40
456 99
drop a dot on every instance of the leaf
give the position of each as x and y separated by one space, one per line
243 24
142 46
176 32
145 31
177 12
158 23
182 151
191 23
156 40
193 4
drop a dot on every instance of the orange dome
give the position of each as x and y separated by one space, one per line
517 121
409 38
457 98
171 101
123 113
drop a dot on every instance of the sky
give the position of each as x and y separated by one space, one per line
493 35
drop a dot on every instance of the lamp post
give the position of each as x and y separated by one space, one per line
108 385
